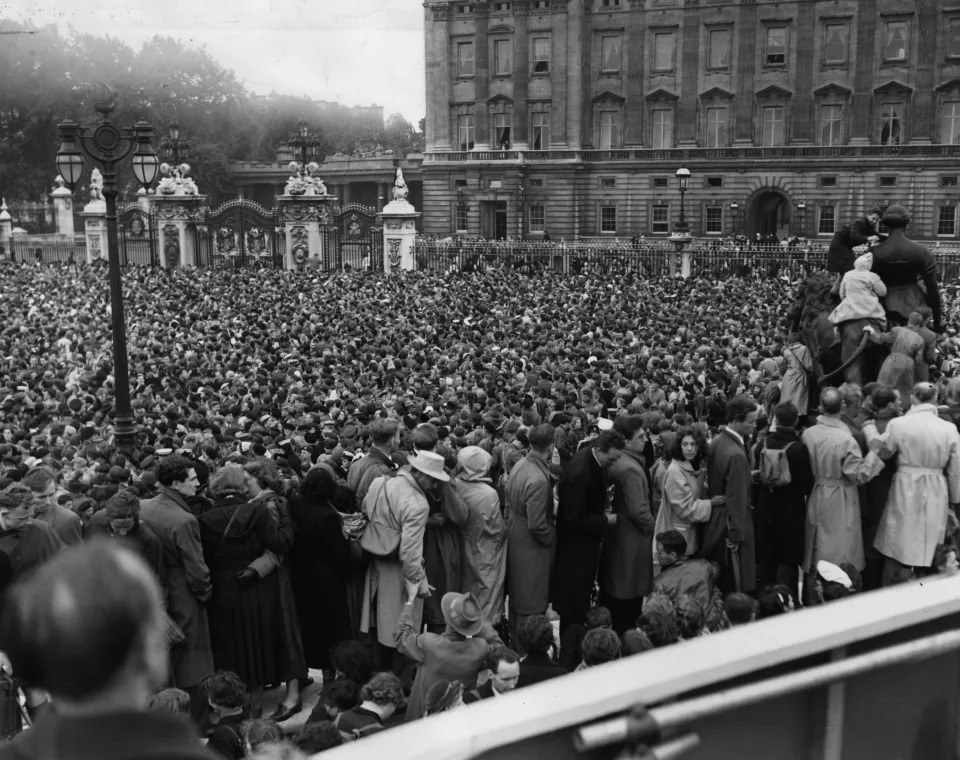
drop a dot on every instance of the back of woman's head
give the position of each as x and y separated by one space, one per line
228 481
383 689
660 627
266 472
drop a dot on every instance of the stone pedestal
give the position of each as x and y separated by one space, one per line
176 217
304 218
63 208
95 228
399 233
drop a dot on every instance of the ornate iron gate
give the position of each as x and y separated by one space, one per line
137 232
355 239
240 234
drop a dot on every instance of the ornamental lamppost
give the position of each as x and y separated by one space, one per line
308 143
802 208
734 210
681 231
107 145
173 147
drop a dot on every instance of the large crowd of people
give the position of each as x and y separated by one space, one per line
434 488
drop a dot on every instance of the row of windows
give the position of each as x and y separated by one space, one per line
719 41
716 126
713 222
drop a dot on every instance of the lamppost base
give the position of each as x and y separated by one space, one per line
124 433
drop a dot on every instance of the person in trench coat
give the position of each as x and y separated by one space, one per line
484 537
833 529
626 574
187 575
925 484
531 529
582 523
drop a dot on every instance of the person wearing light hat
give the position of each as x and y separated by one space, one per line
484 537
399 504
457 654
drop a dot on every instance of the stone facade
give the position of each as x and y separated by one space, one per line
572 116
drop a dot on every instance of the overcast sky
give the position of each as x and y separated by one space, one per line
357 52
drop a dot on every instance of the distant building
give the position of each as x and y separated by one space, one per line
572 116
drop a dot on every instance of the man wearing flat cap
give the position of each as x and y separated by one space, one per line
903 265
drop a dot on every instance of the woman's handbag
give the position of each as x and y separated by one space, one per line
381 537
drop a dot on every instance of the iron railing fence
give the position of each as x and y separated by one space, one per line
645 257
47 249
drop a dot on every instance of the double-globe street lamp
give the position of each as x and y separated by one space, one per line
308 143
107 145
173 147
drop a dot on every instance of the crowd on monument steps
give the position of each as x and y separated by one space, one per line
434 488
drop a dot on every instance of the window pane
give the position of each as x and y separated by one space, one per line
895 42
663 128
540 131
891 118
465 57
503 56
714 224
717 118
831 123
608 219
660 219
537 217
826 220
720 49
772 126
953 38
946 220
501 130
465 131
663 49
610 53
541 55
835 44
609 130
776 45
950 123
460 216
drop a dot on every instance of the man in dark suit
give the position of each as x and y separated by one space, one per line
582 524
728 538
902 264
503 667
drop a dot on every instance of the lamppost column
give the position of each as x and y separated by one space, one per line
123 416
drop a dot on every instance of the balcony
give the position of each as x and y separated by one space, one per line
789 152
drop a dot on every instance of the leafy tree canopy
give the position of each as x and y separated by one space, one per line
49 77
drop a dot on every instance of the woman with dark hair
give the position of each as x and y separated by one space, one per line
681 505
351 661
264 485
320 564
246 630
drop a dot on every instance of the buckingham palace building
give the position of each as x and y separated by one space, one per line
571 117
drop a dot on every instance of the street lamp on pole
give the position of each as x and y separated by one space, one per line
307 143
107 145
802 208
173 147
681 231
734 209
